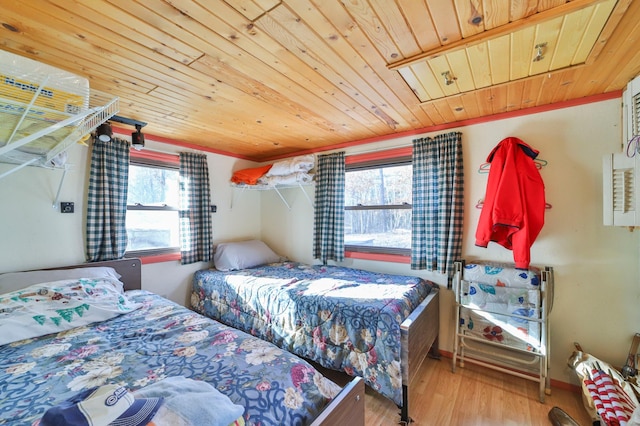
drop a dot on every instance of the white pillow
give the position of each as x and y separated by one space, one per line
243 254
12 281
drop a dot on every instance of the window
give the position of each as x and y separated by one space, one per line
152 204
378 204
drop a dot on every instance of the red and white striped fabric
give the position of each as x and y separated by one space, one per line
612 403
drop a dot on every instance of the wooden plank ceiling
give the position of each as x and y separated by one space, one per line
268 78
534 47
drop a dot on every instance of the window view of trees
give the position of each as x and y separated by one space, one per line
378 207
150 186
152 203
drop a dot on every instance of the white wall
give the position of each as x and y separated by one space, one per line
35 235
596 267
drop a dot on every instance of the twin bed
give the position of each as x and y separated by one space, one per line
108 331
139 339
373 325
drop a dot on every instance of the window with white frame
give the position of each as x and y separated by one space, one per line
378 206
152 205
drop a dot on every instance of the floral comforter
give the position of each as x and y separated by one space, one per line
158 340
345 319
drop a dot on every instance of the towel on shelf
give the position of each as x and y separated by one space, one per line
250 176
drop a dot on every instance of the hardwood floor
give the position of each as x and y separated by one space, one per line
472 396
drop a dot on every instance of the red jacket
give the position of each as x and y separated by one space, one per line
513 210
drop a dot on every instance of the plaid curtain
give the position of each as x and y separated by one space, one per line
438 205
195 216
107 200
328 236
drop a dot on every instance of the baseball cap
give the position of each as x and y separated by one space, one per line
104 405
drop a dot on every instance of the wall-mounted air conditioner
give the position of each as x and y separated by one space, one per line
621 171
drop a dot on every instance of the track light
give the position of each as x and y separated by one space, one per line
104 132
137 138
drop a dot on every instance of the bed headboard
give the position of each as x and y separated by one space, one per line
130 270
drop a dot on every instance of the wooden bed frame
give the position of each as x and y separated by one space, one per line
347 408
418 338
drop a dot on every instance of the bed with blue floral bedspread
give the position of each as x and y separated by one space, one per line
345 319
151 338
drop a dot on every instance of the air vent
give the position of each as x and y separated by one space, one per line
620 190
635 115
623 191
631 118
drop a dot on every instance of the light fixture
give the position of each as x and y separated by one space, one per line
104 132
539 52
137 138
448 78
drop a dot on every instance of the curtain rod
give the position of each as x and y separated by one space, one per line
367 151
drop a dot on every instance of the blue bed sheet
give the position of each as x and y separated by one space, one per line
160 339
345 319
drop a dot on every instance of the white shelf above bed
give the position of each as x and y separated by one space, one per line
275 188
81 124
44 111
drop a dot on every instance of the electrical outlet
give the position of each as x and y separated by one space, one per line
66 207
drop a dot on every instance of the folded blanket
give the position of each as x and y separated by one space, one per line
291 179
190 402
302 163
250 176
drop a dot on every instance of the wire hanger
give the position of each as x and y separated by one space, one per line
480 204
633 146
484 168
539 162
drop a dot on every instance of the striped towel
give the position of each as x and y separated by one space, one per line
612 403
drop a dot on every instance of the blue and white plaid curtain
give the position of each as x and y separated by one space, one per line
438 204
107 200
328 236
195 215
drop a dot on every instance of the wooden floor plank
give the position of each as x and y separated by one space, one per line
473 395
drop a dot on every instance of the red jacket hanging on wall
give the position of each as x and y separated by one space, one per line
513 210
